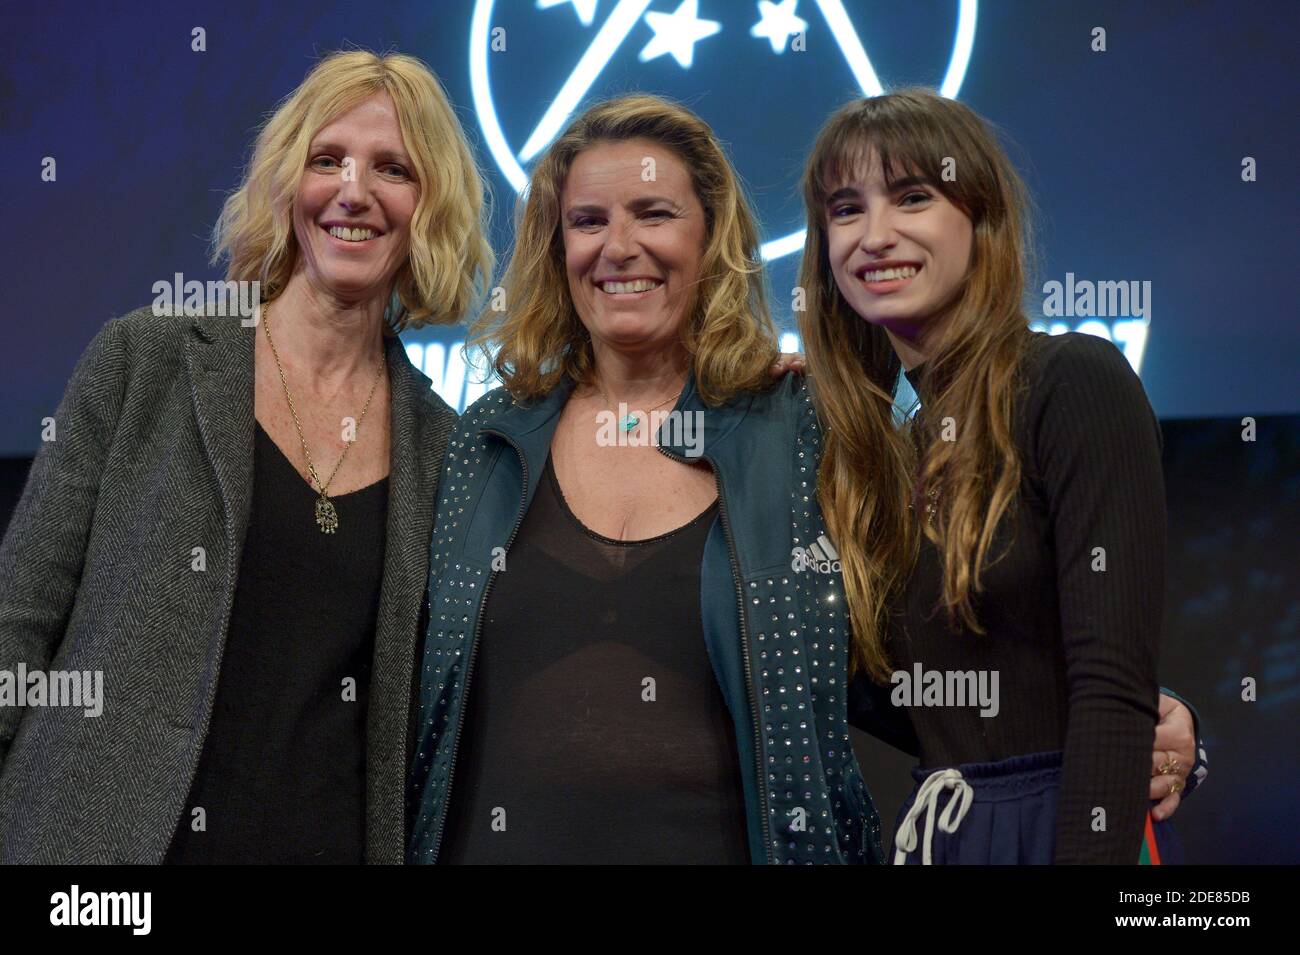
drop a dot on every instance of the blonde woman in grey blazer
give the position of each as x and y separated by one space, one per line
231 524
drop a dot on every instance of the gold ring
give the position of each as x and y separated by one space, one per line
1177 786
1170 767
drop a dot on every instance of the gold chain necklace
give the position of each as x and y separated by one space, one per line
931 494
629 421
327 516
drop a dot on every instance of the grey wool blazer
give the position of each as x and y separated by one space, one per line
152 457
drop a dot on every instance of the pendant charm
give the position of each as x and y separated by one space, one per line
327 518
931 505
628 422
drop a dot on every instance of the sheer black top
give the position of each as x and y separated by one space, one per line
595 730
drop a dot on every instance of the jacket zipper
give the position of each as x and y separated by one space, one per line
473 650
744 646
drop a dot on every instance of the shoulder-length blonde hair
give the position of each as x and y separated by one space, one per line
868 472
539 339
449 260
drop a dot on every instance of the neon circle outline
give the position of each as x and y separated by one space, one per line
508 163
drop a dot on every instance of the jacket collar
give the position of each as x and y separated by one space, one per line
530 426
712 425
421 426
219 357
418 438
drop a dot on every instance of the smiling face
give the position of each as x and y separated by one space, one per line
899 251
632 248
352 219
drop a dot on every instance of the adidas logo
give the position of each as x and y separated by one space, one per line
820 557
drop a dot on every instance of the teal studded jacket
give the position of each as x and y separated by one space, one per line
776 636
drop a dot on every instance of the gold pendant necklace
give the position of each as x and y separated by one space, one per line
327 515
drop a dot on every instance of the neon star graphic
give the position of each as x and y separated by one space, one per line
586 9
675 33
778 23
678 32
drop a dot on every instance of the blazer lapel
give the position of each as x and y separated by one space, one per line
219 356
421 426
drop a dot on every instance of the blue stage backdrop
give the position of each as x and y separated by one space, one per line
1140 155
1162 165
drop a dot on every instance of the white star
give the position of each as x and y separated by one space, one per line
586 9
778 23
678 32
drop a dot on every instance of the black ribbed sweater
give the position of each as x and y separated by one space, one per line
1074 645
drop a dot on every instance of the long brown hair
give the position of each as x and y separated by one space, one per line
538 338
869 469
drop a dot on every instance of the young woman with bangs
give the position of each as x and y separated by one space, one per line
1013 526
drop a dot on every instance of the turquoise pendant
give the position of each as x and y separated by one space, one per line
628 422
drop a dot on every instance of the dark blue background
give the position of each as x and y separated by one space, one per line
1134 156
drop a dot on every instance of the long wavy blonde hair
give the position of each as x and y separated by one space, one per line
538 338
869 471
449 261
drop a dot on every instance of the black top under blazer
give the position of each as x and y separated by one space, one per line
152 458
